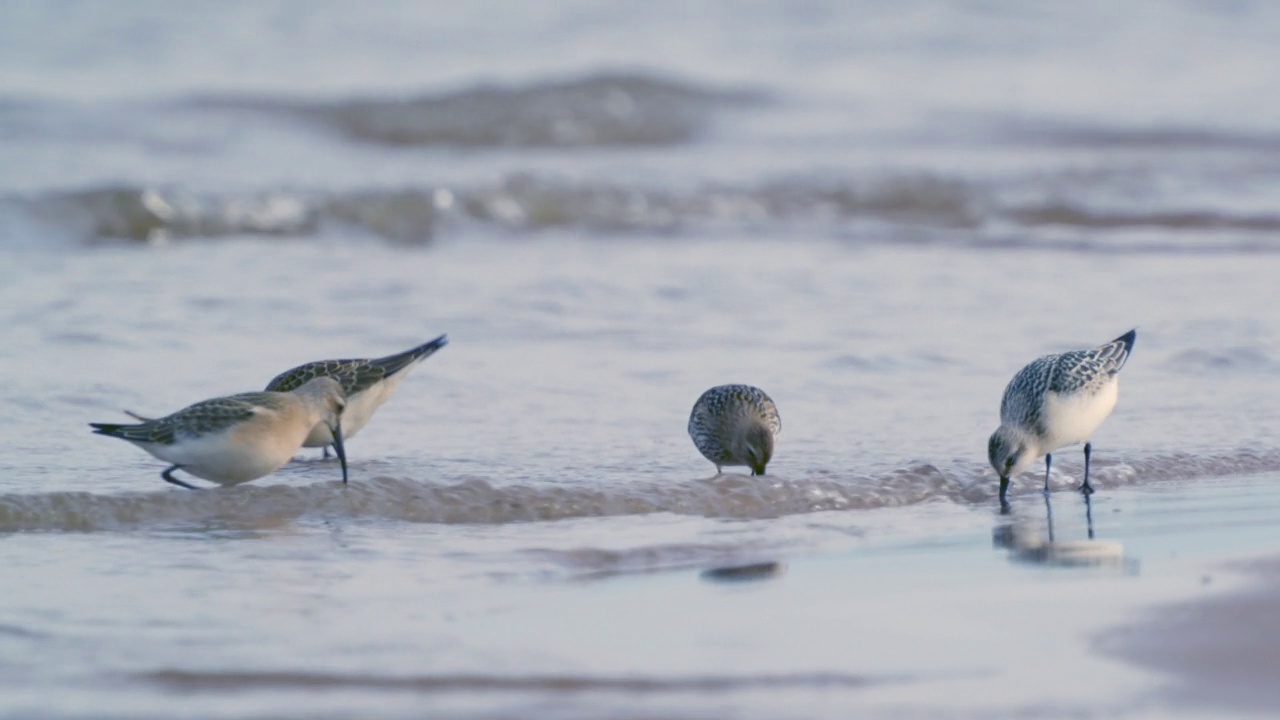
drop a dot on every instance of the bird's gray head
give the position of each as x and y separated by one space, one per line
325 397
1009 453
756 446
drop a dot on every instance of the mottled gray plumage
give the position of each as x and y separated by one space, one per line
735 425
1056 401
202 418
1077 371
357 374
367 384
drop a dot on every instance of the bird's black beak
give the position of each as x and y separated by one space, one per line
1004 488
336 430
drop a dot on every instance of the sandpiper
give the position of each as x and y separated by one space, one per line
735 425
238 438
1056 401
367 384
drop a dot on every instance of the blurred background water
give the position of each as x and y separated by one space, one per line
878 213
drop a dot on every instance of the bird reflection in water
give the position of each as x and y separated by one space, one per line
753 572
1030 540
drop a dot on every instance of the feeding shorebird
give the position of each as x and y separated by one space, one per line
367 384
238 438
1056 401
735 425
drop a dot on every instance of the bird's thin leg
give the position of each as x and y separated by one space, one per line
1087 488
168 477
326 452
1048 460
1088 513
1048 514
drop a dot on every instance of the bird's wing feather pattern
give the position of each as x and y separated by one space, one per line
1065 374
203 418
355 374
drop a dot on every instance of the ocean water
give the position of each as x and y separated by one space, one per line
876 214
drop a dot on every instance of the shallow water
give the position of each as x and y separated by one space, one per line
330 617
877 216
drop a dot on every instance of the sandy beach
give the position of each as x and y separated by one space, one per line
1217 654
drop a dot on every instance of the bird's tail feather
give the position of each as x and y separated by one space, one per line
393 364
1118 350
132 433
109 429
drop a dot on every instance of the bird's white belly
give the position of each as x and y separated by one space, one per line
242 452
233 456
1072 419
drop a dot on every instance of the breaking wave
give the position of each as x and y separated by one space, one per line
1076 216
907 208
479 501
519 204
189 681
601 110
1059 133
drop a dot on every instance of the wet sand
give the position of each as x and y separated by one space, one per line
1135 605
1001 622
1220 653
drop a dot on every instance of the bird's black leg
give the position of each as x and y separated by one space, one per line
1048 514
1048 460
1088 514
326 452
1087 488
168 477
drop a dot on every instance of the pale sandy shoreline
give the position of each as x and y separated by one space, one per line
1154 602
1220 653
